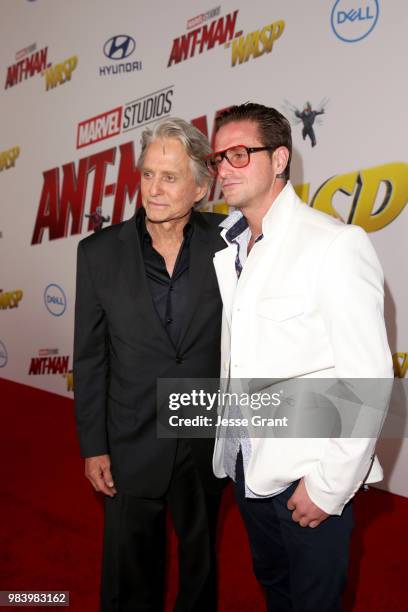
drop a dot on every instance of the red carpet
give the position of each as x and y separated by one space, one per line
51 521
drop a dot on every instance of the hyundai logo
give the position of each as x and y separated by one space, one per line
353 21
55 300
118 47
3 355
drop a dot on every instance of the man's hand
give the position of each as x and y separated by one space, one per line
97 470
305 512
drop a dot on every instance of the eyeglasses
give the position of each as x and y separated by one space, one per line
238 157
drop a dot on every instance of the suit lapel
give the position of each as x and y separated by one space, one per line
224 263
202 247
134 279
263 256
265 253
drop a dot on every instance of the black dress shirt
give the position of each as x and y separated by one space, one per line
169 294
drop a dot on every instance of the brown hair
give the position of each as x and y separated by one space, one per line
274 128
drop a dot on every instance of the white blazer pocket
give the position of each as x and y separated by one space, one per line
280 308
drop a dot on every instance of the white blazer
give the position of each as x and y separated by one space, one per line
309 302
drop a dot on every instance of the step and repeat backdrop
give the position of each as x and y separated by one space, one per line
80 79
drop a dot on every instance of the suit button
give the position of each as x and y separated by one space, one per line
179 359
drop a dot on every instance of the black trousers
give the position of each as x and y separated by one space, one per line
134 552
301 569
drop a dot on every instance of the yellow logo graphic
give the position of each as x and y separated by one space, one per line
8 158
377 195
400 364
60 73
255 43
10 299
69 377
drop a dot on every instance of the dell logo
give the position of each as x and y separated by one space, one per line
3 355
353 21
55 300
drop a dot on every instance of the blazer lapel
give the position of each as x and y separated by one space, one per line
265 253
202 247
224 263
134 281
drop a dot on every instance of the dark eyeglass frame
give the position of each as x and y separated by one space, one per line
223 155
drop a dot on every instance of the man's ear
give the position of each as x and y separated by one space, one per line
202 191
280 161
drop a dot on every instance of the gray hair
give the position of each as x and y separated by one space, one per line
195 143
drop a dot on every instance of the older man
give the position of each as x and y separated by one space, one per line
303 297
148 307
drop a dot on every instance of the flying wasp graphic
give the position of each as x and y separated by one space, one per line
307 116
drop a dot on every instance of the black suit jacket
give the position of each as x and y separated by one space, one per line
121 348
